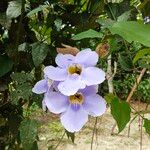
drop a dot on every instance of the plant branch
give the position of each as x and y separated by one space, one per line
93 133
136 84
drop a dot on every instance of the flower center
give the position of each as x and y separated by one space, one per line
50 82
74 69
76 99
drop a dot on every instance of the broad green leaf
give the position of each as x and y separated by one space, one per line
21 87
22 77
87 34
36 10
140 54
132 31
14 9
28 133
145 62
125 16
39 52
120 111
23 91
6 65
109 97
147 125
106 23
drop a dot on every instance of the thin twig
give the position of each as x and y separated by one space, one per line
130 124
93 133
141 129
59 141
136 84
141 134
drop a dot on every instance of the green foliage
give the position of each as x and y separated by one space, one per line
147 125
132 31
4 20
106 23
39 52
14 9
123 87
6 65
109 97
120 111
124 17
36 10
87 34
140 54
29 133
143 91
125 62
21 87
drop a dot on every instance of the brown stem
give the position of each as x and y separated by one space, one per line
93 133
136 84
130 125
141 136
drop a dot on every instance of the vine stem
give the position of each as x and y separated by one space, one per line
93 133
141 134
130 124
136 84
59 141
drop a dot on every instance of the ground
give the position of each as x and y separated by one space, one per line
51 132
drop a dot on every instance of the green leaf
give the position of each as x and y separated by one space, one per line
147 125
28 133
21 87
6 65
145 62
58 24
109 97
120 111
125 16
36 10
39 52
14 9
106 23
87 34
22 77
140 54
132 31
23 91
24 47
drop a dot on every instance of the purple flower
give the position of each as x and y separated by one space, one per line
44 86
75 109
75 72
